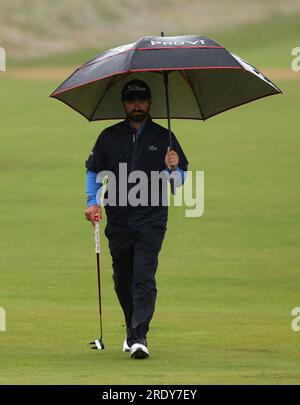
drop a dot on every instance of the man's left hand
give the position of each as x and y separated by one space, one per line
171 159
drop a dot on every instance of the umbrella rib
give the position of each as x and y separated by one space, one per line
131 56
193 90
101 98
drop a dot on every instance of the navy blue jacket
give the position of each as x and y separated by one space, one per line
145 152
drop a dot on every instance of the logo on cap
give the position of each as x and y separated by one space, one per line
135 87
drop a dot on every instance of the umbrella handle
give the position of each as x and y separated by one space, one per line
97 233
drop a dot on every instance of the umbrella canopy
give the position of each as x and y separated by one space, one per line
204 79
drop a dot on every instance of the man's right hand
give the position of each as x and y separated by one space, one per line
91 211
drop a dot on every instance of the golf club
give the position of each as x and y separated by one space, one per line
97 343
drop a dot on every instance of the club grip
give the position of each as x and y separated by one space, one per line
97 234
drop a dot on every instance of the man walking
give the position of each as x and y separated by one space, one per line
135 231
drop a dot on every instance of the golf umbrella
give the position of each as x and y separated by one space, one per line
200 77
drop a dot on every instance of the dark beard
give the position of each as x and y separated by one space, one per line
137 117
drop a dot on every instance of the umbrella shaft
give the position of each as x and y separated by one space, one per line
166 82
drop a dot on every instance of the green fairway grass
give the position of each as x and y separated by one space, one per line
227 281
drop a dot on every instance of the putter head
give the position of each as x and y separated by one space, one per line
97 344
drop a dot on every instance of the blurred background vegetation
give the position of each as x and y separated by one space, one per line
70 31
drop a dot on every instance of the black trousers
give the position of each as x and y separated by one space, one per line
134 250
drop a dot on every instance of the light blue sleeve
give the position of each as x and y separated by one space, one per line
92 188
180 179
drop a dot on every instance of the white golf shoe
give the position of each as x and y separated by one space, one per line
125 347
138 351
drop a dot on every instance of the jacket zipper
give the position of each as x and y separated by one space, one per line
134 141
